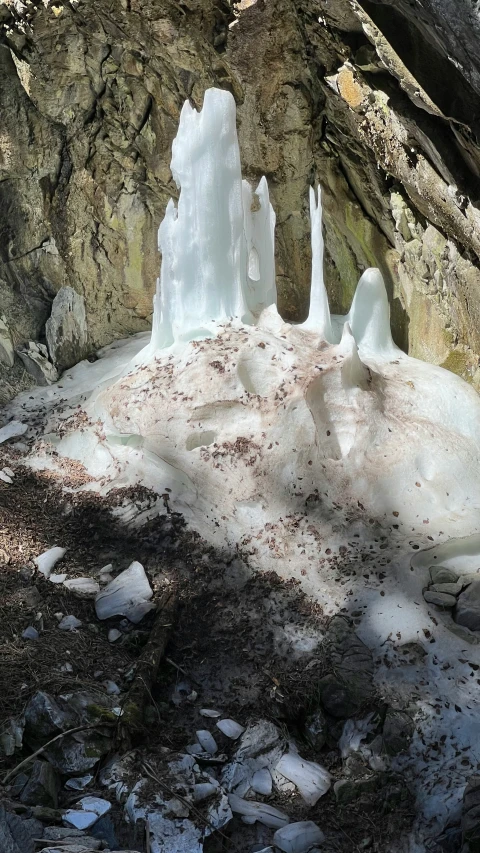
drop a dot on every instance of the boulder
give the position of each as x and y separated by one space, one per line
66 329
346 691
75 753
398 729
37 364
467 611
43 786
7 355
471 816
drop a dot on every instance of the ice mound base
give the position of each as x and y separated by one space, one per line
312 449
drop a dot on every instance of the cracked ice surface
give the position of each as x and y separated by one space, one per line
322 451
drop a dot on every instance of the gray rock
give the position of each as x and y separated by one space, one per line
37 364
16 835
441 599
43 786
66 329
398 730
316 729
467 611
448 588
58 833
349 790
346 691
76 753
7 355
44 718
471 815
16 787
440 574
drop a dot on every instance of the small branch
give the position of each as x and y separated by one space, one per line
46 745
148 665
150 772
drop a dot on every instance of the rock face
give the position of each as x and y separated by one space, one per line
377 100
66 329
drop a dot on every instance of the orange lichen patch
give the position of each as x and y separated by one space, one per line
349 89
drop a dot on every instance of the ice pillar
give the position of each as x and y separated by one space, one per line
319 312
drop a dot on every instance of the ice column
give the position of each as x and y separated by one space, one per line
259 225
203 240
369 315
319 312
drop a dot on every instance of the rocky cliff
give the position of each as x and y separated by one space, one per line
379 101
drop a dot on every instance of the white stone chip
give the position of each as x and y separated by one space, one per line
69 623
298 837
83 587
46 561
230 728
312 780
261 812
207 741
127 595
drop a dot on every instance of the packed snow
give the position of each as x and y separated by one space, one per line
291 443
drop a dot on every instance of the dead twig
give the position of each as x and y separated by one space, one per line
49 743
147 665
151 773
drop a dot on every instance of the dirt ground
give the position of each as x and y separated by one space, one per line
247 644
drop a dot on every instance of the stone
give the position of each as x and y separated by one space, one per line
7 355
440 574
440 599
66 329
37 364
30 633
348 790
467 611
17 835
44 719
47 815
346 691
83 587
43 786
58 833
471 815
316 729
69 623
398 729
76 753
448 588
127 595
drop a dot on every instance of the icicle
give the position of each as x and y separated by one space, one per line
319 313
369 315
259 227
354 373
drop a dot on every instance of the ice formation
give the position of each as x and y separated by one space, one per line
301 446
217 244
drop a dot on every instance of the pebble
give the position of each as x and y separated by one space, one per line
440 574
113 635
30 633
69 623
441 599
230 728
208 742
